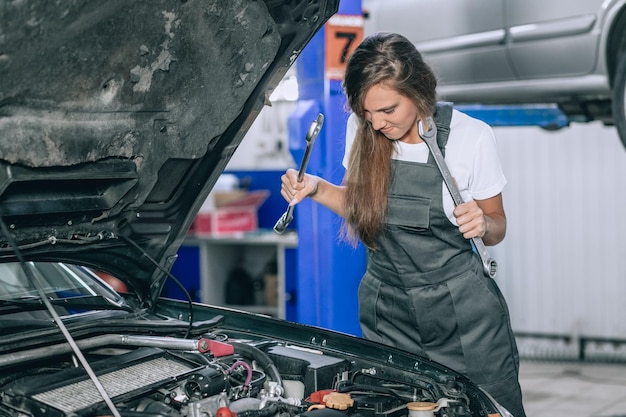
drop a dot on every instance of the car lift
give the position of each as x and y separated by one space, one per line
546 116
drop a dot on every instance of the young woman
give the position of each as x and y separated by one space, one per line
424 290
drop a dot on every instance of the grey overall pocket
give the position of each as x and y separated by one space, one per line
411 214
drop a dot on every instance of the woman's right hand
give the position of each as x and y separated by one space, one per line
294 191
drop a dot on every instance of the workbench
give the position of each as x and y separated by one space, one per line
219 255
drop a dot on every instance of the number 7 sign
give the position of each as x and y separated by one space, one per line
343 34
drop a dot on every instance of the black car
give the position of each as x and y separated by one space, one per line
116 119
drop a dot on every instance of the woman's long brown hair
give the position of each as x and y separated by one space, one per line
393 60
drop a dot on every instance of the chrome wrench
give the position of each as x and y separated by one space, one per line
430 137
314 130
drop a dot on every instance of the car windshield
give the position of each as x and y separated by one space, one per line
59 282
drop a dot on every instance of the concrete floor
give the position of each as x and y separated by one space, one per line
573 389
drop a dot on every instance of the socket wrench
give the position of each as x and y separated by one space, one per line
314 130
430 137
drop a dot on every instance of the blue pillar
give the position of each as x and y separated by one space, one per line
328 270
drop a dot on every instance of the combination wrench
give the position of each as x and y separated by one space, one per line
314 130
430 137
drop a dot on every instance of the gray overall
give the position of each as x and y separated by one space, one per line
425 292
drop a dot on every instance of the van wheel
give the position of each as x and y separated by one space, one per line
619 98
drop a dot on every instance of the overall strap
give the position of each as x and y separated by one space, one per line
442 116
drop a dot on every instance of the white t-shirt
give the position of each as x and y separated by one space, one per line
471 156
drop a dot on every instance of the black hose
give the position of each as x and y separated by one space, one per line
268 411
401 395
262 359
273 409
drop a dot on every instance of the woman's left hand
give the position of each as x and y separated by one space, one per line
471 220
482 218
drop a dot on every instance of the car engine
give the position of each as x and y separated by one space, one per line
219 375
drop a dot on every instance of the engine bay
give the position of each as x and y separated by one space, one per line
219 375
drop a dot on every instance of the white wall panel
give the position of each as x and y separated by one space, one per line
562 266
266 144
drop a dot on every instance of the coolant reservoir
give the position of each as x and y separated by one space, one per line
421 409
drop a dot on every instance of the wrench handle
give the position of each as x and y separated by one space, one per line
314 130
430 137
312 133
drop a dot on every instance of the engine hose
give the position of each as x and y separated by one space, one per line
366 388
268 411
431 387
273 409
261 358
378 389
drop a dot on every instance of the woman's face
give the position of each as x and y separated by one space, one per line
391 113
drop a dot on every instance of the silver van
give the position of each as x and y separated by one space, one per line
568 52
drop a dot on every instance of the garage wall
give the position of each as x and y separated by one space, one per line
265 146
562 266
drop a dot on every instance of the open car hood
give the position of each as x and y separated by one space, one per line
117 118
